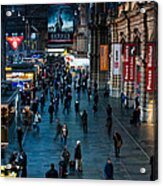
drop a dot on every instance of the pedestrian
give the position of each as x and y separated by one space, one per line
96 98
20 136
94 109
58 129
37 120
66 157
78 157
52 173
117 143
84 118
64 134
109 125
109 111
34 107
23 163
122 99
51 112
108 170
77 107
138 123
42 101
89 92
95 85
66 105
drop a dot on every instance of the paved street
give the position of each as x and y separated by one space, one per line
97 146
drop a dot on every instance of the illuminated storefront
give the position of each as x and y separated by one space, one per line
22 76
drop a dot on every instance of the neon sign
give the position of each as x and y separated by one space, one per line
14 41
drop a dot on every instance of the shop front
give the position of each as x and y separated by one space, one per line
22 76
9 113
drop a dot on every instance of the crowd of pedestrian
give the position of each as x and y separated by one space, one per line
57 88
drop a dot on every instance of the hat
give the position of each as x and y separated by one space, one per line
78 142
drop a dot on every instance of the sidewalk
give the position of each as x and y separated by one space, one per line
144 135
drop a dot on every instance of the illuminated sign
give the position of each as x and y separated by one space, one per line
104 59
14 41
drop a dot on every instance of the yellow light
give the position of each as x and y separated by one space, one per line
65 52
8 68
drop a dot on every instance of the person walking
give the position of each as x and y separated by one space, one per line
64 134
84 118
22 159
58 129
96 98
108 170
109 111
109 125
42 101
117 143
37 120
77 107
94 109
66 157
66 105
52 173
78 157
51 112
89 92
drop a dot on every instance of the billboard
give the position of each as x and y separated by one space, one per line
104 58
129 62
60 23
116 58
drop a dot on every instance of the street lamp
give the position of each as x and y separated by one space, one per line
23 18
8 13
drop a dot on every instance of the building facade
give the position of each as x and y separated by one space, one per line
130 32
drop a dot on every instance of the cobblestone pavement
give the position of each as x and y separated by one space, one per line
97 146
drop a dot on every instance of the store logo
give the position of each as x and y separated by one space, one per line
14 41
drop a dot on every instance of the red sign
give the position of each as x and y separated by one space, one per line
14 41
150 68
129 62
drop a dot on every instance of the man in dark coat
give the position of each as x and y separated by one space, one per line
108 170
52 173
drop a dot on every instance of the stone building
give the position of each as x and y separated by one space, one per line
80 40
126 27
136 24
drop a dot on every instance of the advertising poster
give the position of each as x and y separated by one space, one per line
104 59
116 58
60 24
129 62
150 68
